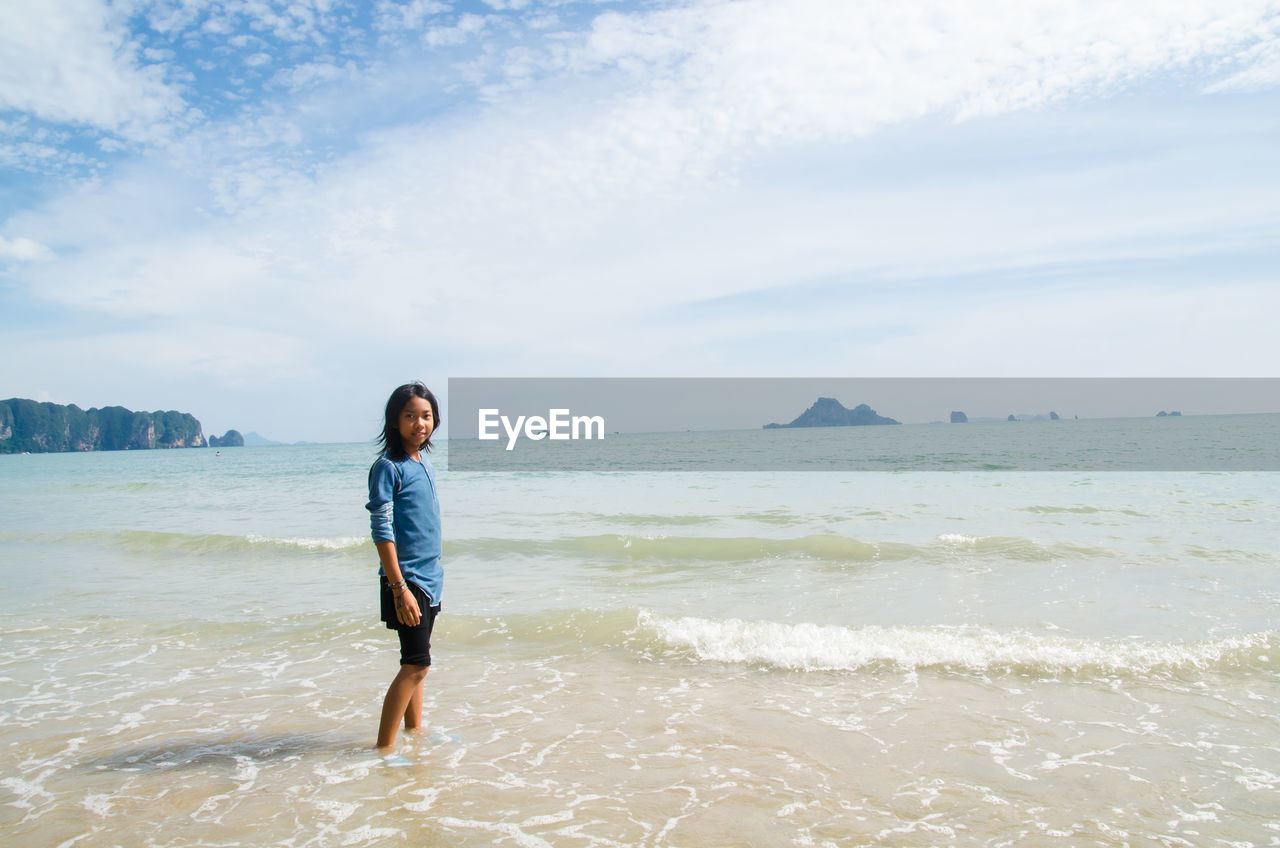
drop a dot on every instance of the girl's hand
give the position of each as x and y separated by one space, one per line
407 608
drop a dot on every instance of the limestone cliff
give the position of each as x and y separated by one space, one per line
28 426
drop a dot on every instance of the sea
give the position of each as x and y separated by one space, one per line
190 654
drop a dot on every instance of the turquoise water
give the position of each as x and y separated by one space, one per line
191 656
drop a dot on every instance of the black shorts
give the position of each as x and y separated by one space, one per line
415 642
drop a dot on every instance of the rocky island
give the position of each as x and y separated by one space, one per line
829 412
28 426
231 439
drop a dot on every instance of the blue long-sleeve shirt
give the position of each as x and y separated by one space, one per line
403 508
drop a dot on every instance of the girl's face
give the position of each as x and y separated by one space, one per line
416 424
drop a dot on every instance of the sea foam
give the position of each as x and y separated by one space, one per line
814 647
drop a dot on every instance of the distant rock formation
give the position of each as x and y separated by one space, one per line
257 440
28 426
1163 414
231 439
962 418
829 412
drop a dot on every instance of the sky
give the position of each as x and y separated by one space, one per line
269 213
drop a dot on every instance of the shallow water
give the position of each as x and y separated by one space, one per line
640 659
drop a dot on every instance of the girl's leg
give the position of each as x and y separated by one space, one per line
413 712
397 703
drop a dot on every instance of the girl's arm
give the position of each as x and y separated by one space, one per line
383 480
406 604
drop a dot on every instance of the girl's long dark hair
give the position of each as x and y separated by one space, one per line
389 441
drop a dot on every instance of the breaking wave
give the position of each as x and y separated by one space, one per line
808 647
813 647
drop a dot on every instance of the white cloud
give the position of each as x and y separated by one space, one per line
42 158
137 278
74 61
1261 70
168 16
311 73
295 20
23 249
467 27
716 79
394 16
218 26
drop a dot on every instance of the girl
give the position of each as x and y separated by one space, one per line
405 520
